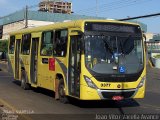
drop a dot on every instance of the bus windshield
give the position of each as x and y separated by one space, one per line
106 54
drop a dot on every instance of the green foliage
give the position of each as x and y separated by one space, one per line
4 45
156 56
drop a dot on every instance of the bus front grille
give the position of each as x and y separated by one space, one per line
109 95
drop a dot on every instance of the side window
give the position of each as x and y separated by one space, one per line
61 37
47 43
26 40
12 45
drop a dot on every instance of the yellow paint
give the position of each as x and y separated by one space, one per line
46 78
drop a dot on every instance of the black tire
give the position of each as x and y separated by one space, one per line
61 91
24 83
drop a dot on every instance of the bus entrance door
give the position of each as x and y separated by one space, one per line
17 59
34 59
74 63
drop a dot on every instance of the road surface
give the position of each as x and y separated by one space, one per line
39 104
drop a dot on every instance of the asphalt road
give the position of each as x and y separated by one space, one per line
39 104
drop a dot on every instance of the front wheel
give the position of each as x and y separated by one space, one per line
61 91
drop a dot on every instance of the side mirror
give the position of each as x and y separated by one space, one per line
144 36
128 45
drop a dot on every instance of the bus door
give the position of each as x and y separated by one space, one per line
74 67
17 52
34 60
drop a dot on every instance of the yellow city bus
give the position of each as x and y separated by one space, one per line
84 59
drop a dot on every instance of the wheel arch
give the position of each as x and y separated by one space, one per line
60 76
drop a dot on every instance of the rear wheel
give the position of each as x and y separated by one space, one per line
61 91
24 83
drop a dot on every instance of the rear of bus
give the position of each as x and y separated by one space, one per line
113 61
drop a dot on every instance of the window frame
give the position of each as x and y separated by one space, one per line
42 41
23 44
12 51
55 41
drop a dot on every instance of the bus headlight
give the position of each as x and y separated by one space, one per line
90 83
142 82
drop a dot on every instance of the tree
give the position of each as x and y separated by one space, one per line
4 46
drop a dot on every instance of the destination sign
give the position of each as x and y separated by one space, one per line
111 27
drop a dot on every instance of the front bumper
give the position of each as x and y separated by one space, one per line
88 93
109 94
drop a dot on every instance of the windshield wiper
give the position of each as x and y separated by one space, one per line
128 45
108 46
121 47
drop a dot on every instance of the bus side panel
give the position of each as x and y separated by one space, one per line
141 91
11 55
45 76
11 64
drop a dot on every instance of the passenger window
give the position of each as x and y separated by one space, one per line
26 40
12 45
47 43
61 37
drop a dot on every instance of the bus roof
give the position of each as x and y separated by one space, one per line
63 25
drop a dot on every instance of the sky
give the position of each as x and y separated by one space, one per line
112 9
